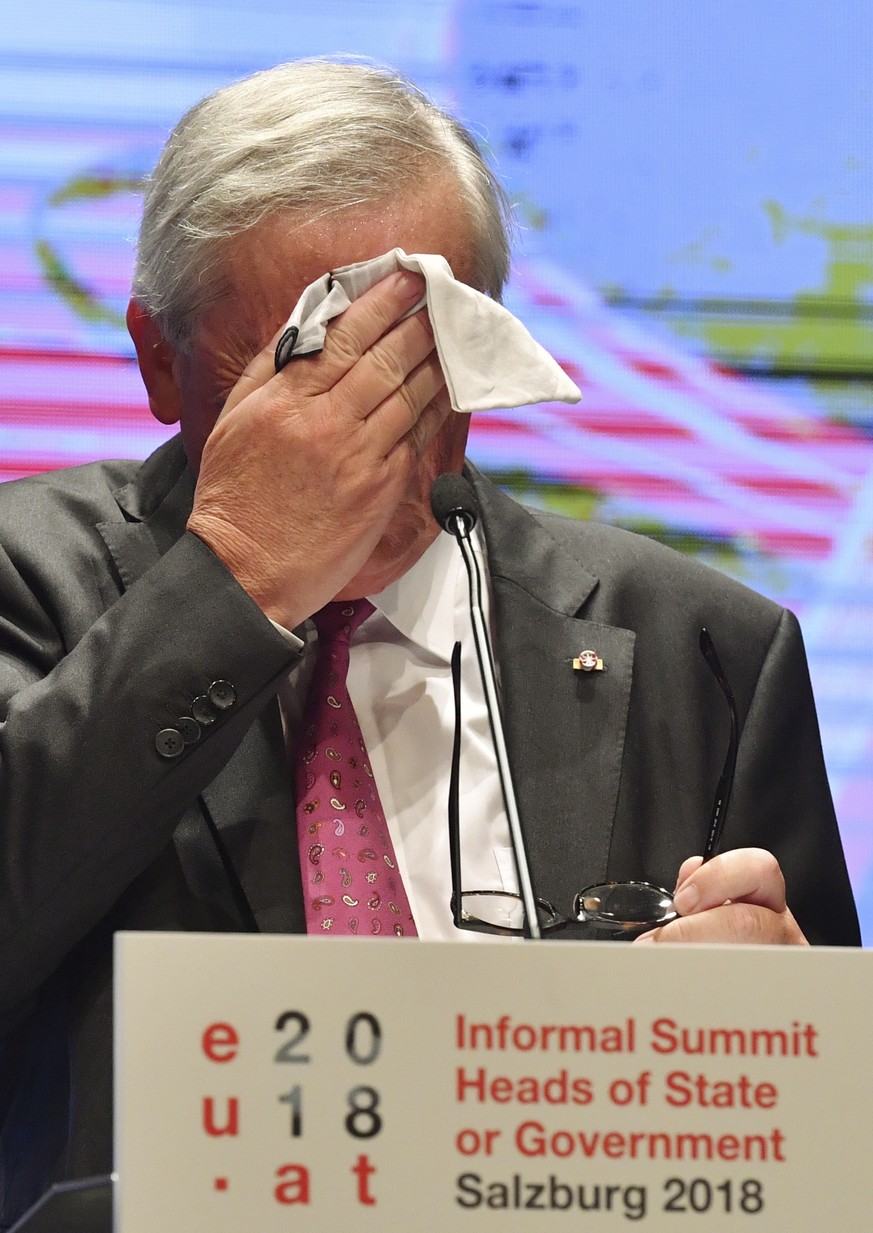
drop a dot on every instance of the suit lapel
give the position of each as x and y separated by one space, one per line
565 729
250 802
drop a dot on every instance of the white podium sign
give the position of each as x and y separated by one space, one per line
277 1083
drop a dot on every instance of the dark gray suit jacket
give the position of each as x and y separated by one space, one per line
113 618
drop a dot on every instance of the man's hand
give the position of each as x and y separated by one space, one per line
736 897
304 468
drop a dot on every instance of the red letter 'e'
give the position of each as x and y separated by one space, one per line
220 1042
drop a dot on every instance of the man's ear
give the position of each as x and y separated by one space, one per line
156 364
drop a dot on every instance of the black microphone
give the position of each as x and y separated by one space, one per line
455 507
452 499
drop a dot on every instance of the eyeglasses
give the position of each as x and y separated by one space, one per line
610 910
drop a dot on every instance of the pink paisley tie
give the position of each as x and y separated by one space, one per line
351 883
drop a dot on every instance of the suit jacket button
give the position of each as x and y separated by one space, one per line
169 742
189 728
222 695
203 711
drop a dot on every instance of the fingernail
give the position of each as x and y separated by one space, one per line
411 286
686 899
285 347
646 938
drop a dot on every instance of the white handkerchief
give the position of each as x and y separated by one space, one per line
488 357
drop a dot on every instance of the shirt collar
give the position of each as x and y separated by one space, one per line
421 604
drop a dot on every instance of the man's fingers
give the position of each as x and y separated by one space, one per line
736 897
413 412
362 368
686 869
734 923
750 875
365 327
387 369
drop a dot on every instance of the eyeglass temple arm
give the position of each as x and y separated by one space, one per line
726 781
489 685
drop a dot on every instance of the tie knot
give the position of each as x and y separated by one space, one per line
338 620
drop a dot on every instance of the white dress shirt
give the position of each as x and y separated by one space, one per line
400 683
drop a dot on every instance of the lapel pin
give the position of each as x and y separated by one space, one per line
588 661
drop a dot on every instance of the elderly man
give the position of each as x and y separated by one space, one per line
175 596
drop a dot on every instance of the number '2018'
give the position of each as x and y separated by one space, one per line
700 1195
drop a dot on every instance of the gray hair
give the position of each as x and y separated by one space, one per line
313 136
